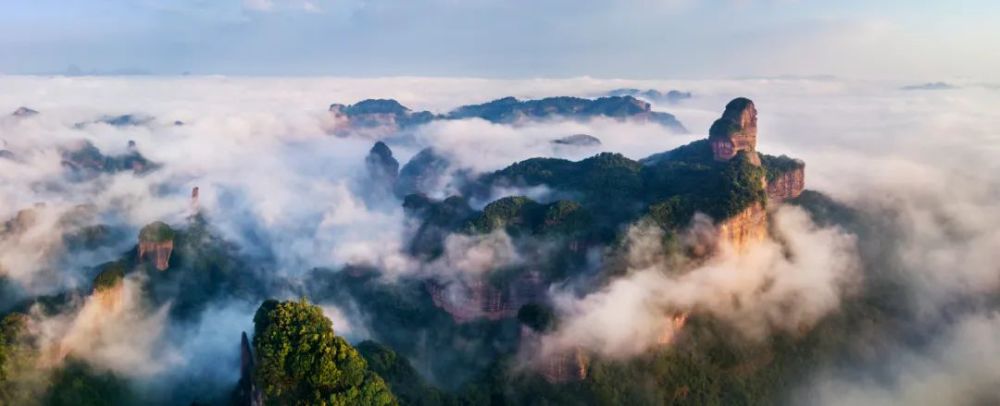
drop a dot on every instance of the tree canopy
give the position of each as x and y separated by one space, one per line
300 361
156 232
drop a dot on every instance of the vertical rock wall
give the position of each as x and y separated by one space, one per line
788 185
735 131
746 228
480 299
158 252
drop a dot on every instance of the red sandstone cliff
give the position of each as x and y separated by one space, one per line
566 367
110 299
156 243
788 185
745 228
158 252
92 325
480 299
735 131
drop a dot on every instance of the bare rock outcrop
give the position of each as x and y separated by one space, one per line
786 185
735 131
467 301
109 285
745 228
568 366
110 298
156 243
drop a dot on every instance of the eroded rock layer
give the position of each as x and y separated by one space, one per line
744 229
787 185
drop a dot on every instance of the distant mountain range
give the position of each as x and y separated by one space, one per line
653 95
930 86
381 117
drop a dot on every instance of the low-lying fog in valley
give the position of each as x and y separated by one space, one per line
912 223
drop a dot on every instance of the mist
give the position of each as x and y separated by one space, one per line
293 199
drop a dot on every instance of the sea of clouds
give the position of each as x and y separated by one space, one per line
273 181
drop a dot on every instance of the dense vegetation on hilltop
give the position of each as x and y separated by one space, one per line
510 110
157 231
777 165
74 382
110 276
16 360
404 381
301 361
670 188
203 268
86 161
520 215
77 383
419 353
373 113
413 326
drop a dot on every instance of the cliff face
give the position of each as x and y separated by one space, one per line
787 185
569 366
99 321
158 252
480 299
735 131
110 299
673 326
744 229
156 243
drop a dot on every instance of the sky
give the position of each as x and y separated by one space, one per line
639 39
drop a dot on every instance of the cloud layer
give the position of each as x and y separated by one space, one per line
273 182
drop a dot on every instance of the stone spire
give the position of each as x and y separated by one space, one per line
383 170
735 131
247 392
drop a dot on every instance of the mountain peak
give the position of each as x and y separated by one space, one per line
24 112
735 131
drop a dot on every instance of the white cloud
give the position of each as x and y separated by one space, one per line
958 368
768 287
272 179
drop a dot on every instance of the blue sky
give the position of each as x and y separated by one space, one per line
897 39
